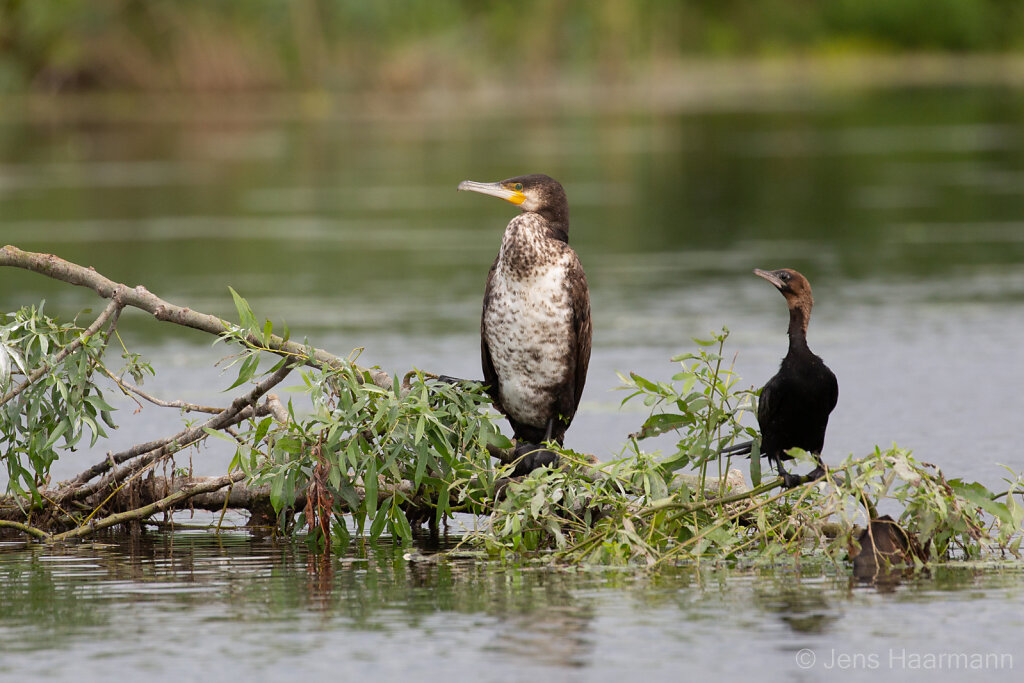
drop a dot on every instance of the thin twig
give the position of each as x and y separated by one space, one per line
129 388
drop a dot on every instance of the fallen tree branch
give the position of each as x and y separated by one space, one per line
141 298
160 494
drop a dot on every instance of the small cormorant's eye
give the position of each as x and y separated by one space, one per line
783 276
519 187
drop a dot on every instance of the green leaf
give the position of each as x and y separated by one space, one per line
422 455
96 401
379 520
645 384
262 429
663 422
400 523
245 314
220 435
59 430
755 469
498 440
276 491
246 372
348 493
443 504
370 485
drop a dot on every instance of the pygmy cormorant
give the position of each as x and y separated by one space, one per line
535 330
795 404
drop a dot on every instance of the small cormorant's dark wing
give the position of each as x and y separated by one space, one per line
833 390
768 416
764 403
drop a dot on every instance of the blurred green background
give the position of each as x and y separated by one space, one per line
306 153
402 44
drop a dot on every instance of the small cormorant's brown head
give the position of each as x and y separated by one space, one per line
535 193
794 287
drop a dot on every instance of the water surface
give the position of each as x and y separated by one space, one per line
904 209
176 606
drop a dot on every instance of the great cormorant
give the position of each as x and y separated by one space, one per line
535 330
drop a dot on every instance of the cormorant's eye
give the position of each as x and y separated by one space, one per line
784 276
519 187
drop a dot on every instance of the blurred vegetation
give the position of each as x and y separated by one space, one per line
389 44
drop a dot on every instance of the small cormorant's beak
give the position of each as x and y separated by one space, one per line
495 190
770 277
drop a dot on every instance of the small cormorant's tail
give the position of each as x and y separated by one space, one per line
738 449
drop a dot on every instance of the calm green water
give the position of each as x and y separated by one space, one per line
904 209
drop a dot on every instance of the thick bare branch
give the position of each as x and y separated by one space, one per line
139 297
158 494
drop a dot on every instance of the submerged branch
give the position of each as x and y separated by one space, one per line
24 528
184 493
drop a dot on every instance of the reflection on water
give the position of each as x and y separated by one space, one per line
173 604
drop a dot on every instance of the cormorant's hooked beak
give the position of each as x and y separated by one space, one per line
771 277
495 190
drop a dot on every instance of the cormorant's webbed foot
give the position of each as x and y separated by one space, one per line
792 480
531 456
789 480
816 474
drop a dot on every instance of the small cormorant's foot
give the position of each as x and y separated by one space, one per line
790 480
815 474
531 457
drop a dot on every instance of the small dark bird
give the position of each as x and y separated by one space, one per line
795 404
535 331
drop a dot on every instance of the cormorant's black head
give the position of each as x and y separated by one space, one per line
536 193
793 286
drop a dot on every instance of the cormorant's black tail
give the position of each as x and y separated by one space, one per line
738 449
